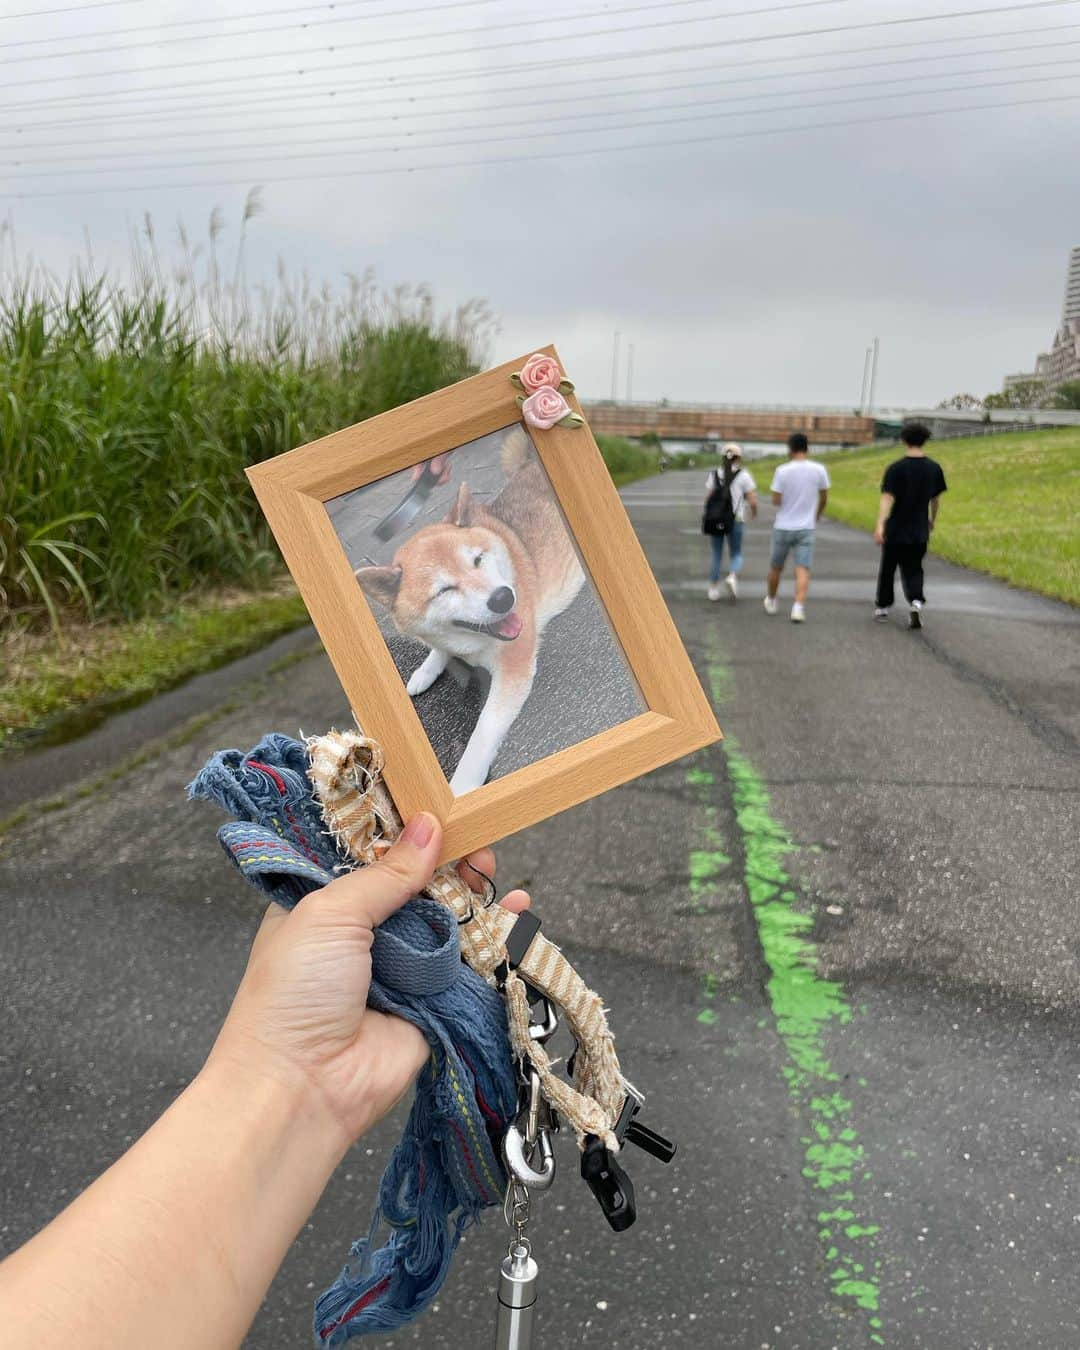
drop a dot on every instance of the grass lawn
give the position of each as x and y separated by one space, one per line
1011 509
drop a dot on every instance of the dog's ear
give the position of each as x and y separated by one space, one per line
462 510
380 583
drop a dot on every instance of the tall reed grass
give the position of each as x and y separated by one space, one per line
129 407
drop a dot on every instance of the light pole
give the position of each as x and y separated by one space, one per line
865 379
873 379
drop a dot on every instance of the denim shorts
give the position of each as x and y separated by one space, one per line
784 541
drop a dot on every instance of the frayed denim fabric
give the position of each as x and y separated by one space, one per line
447 1166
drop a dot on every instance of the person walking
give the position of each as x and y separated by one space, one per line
729 490
910 496
800 489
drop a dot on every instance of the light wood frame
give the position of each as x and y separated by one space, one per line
292 490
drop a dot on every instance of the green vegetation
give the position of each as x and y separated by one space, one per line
1010 509
627 460
130 409
49 691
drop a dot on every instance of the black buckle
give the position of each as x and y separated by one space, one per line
518 941
609 1183
604 1176
631 1131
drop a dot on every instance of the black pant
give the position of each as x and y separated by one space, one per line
909 558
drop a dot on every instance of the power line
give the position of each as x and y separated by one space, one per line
429 79
535 40
191 23
378 92
697 104
69 9
214 109
338 173
306 24
345 146
514 25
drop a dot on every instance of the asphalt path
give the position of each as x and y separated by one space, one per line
915 797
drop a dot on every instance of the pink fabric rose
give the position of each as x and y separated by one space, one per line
544 408
540 371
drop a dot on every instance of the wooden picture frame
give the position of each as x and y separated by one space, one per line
292 490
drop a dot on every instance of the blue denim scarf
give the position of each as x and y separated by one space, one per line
447 1166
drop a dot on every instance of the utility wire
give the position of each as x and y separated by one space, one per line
559 100
69 9
392 83
208 19
339 173
514 25
378 92
306 24
538 39
345 146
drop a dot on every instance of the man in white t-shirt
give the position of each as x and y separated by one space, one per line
800 489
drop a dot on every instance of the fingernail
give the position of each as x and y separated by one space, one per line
419 830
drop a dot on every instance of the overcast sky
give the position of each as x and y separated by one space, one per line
740 265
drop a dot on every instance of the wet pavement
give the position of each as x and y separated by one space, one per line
904 803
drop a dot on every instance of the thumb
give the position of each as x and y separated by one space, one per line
372 894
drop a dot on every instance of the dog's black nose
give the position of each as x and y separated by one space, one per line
501 601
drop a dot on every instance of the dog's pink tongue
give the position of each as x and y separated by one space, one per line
509 627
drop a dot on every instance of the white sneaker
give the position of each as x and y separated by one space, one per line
770 604
714 590
798 613
731 581
881 616
915 617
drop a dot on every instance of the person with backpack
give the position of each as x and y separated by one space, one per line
910 495
729 490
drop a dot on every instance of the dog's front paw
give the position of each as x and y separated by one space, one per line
425 675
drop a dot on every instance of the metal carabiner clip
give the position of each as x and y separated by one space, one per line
519 1159
520 1148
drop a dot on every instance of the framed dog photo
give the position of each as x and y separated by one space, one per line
485 603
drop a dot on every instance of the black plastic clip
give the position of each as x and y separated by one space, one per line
604 1176
518 941
613 1189
631 1131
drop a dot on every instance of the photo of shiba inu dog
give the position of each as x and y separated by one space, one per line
481 585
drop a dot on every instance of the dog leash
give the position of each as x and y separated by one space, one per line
510 952
488 1102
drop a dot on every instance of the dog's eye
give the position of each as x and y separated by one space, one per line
478 560
443 589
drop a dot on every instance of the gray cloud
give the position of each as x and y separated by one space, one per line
754 268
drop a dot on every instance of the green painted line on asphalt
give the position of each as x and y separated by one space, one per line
803 1004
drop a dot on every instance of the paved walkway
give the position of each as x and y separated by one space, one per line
841 954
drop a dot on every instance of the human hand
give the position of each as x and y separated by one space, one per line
440 466
301 1012
879 535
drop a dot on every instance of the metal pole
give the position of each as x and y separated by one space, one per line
865 379
873 379
630 373
615 368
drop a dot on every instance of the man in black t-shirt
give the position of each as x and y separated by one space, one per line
910 494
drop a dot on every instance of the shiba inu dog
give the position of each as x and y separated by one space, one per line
482 585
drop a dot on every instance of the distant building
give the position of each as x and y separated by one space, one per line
1062 362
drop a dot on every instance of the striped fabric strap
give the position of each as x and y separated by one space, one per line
345 771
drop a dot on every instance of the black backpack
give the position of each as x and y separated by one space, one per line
719 514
